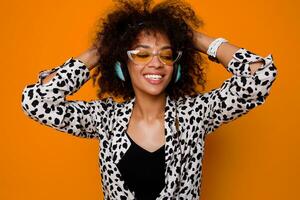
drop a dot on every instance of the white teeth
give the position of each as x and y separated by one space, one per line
153 76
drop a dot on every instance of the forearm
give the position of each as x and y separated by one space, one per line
224 52
89 57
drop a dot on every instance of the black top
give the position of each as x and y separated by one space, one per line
143 171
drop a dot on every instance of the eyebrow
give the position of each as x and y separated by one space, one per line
148 47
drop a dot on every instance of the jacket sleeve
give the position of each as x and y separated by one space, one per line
241 92
47 104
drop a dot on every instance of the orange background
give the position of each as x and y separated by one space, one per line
255 157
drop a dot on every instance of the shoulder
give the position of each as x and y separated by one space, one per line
190 100
105 104
195 104
109 103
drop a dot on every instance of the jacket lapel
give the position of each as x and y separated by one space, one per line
172 151
119 139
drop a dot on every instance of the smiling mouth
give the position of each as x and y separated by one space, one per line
153 76
154 79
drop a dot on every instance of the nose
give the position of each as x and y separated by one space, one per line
155 62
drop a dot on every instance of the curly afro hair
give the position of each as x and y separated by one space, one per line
119 30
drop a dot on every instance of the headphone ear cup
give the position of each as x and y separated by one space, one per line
177 74
119 72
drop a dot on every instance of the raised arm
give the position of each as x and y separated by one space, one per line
45 100
89 57
249 86
225 51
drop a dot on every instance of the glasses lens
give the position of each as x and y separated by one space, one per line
141 56
166 56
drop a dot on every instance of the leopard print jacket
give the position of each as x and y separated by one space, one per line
107 120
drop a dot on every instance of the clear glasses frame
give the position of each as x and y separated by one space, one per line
135 51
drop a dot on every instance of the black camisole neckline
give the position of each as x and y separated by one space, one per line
143 171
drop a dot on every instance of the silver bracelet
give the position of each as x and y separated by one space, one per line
213 47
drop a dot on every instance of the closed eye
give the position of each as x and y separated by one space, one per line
143 54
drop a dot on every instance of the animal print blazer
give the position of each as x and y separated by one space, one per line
107 120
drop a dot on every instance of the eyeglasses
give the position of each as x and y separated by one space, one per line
144 56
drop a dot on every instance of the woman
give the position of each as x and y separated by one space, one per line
151 144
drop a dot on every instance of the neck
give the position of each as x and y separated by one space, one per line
150 107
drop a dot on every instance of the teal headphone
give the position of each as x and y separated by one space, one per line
119 72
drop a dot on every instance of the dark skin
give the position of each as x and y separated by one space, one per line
146 126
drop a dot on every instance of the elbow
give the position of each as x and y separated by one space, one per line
270 65
266 71
264 77
28 102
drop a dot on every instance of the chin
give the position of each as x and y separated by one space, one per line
152 91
